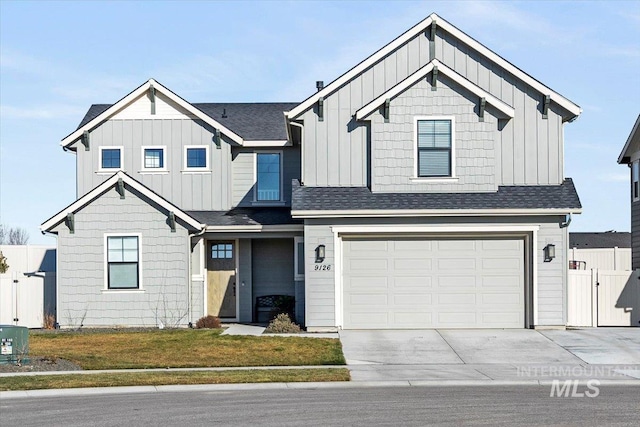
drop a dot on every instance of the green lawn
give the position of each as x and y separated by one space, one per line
183 348
171 378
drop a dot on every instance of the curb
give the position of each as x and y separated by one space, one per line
290 386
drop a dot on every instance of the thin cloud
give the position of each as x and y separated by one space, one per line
615 177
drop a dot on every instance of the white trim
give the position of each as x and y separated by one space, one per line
97 191
361 67
421 73
297 240
452 119
110 170
634 130
369 213
267 143
280 201
534 285
105 288
415 30
635 180
186 168
301 126
140 90
425 230
253 228
144 169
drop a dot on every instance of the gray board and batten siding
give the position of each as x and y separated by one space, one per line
165 267
190 190
527 149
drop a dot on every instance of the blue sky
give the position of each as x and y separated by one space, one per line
57 58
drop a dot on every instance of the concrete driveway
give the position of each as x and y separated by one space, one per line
486 353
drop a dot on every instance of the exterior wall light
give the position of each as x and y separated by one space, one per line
549 252
320 253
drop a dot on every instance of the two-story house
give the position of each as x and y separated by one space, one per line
423 188
630 156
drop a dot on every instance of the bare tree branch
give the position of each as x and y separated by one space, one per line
18 236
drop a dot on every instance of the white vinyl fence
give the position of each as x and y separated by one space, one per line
602 258
600 297
28 288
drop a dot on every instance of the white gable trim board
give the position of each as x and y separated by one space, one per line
131 97
527 233
572 108
96 192
369 108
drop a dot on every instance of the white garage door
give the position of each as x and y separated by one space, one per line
397 283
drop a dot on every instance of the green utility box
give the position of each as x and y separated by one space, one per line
14 344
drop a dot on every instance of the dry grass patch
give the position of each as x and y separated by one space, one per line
183 349
172 378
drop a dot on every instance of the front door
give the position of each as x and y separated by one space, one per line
221 279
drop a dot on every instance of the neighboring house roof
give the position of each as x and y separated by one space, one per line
135 94
632 144
363 112
255 121
422 26
608 239
83 201
246 217
360 201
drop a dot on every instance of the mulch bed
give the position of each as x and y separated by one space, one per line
41 364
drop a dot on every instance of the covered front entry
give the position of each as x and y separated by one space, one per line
412 282
221 279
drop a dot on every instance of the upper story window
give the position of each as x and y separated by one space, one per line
196 158
110 158
268 176
434 147
123 266
153 158
635 178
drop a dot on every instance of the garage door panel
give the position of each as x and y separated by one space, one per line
456 263
449 282
433 283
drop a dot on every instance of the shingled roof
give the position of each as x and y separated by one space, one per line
262 121
562 196
607 239
246 216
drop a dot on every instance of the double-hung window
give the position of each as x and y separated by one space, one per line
269 176
434 147
123 262
153 158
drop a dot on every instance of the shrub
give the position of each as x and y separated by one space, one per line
208 322
282 324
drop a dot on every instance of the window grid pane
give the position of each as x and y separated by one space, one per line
268 185
196 158
122 260
434 148
153 158
222 251
111 158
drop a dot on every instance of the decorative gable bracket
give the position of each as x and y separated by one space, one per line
385 110
321 109
70 223
434 78
481 106
172 221
432 40
85 140
152 97
217 139
545 106
120 187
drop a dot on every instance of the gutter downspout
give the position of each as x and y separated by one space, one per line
566 222
190 281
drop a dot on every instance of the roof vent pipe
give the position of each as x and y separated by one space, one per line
319 85
224 113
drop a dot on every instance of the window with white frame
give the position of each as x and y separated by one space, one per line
635 178
153 158
196 158
110 158
298 261
434 147
268 176
123 262
222 251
